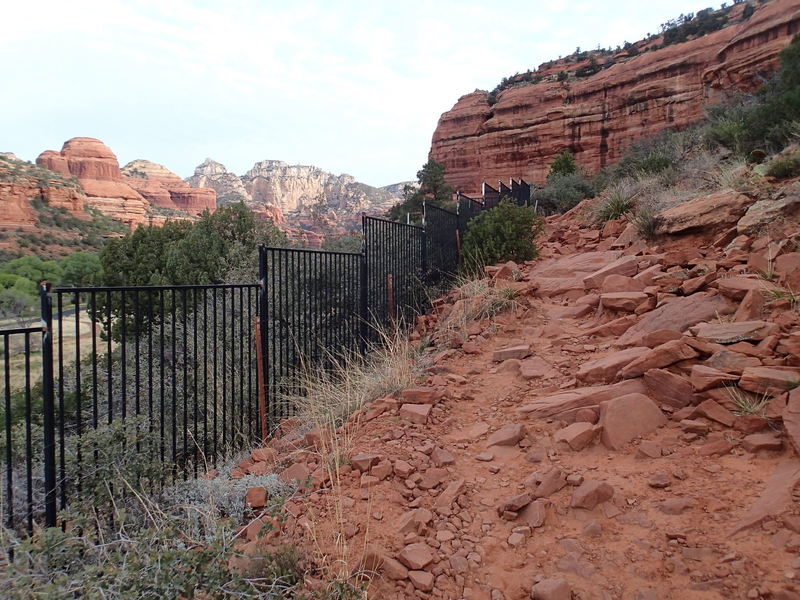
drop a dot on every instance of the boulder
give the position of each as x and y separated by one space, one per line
704 378
508 435
625 418
566 404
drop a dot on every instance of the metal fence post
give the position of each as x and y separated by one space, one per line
363 299
48 406
262 356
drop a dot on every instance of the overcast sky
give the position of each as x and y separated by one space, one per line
349 86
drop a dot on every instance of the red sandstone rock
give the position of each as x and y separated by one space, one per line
607 368
416 556
416 413
667 388
704 378
577 436
626 266
628 417
591 493
551 589
422 580
791 418
627 301
420 395
730 333
508 435
712 410
660 356
765 380
677 315
518 352
256 497
718 210
757 442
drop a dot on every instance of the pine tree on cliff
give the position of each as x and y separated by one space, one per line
433 189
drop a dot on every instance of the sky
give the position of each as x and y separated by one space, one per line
349 86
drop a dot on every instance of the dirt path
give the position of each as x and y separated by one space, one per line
496 481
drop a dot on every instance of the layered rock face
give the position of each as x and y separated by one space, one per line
277 189
97 170
164 188
598 117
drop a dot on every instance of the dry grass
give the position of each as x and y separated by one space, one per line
329 400
475 300
745 403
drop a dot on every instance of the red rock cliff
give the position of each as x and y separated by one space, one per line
598 117
97 170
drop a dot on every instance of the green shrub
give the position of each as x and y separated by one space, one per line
504 233
784 167
564 164
562 192
760 123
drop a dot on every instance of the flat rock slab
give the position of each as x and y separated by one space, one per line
566 404
730 333
659 357
715 211
607 368
737 287
767 380
676 315
586 262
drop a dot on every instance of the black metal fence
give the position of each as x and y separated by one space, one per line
311 312
178 369
168 369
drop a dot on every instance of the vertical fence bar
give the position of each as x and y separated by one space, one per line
48 407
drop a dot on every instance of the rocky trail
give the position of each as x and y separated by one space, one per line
627 430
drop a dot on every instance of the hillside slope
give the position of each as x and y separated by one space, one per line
628 430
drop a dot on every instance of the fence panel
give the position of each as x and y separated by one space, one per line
468 208
395 264
491 197
167 372
441 233
23 475
311 315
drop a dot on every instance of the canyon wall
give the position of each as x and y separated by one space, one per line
599 116
305 196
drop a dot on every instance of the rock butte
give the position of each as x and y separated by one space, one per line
598 117
124 198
